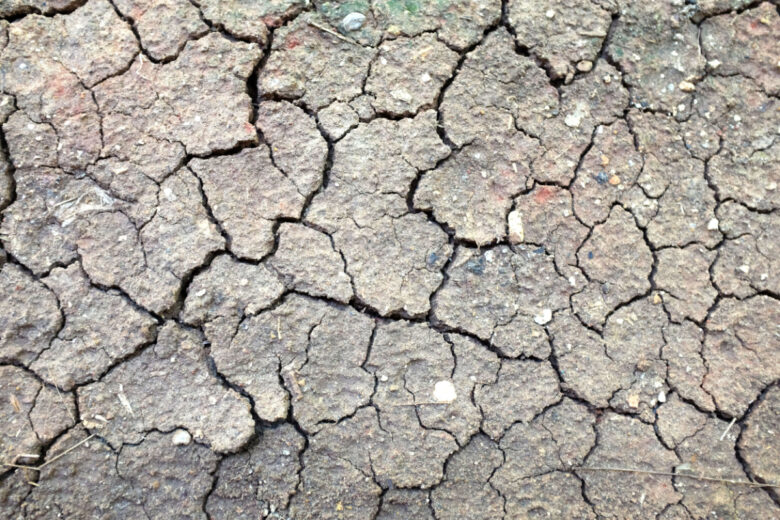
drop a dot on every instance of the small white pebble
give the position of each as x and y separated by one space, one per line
353 21
544 317
744 268
516 232
444 392
712 225
181 438
585 66
550 13
687 86
661 396
573 120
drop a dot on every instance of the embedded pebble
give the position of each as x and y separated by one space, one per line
353 21
585 66
516 234
544 317
181 438
444 392
686 86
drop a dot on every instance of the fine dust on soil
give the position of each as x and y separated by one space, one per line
389 259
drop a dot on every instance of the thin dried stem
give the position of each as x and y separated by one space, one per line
58 456
333 33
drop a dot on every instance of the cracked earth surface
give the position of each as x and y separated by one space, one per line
457 259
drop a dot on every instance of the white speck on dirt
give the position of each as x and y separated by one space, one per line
444 392
544 317
181 438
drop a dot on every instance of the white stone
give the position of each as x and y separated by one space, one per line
353 21
573 120
585 66
444 392
544 317
712 225
181 438
687 86
516 231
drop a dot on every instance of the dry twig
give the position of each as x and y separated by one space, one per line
58 456
333 33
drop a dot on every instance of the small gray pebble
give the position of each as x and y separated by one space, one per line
353 21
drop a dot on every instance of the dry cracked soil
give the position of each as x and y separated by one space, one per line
389 259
